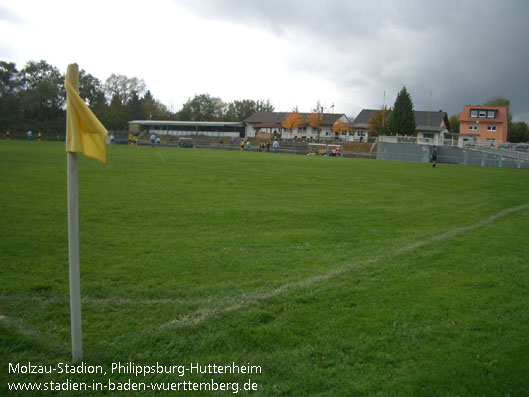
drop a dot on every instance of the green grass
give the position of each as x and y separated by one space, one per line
325 272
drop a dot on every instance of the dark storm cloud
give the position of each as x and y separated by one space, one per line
464 52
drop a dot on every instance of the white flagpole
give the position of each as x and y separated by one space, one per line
73 239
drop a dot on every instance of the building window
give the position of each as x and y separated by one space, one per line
491 114
473 127
491 128
482 113
473 113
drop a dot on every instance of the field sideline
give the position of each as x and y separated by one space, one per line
335 276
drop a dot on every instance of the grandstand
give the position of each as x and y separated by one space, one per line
187 128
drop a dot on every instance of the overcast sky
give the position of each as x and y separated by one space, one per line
341 52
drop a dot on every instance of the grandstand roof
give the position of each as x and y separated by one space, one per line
199 123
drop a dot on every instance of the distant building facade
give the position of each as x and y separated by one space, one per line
486 123
270 124
431 126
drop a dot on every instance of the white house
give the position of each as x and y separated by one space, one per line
431 126
271 123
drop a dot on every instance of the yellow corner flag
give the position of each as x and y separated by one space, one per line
84 132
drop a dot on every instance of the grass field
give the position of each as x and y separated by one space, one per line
336 277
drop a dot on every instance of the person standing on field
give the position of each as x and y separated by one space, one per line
434 156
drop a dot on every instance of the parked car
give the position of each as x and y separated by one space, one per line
522 147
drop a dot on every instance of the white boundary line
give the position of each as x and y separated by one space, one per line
161 157
201 315
235 303
45 340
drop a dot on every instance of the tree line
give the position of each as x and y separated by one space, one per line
33 98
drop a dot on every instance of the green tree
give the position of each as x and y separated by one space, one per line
454 123
122 88
518 132
42 98
90 88
402 119
10 109
202 108
378 122
134 109
9 79
500 101
241 110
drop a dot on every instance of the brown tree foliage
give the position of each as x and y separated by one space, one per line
378 122
315 118
340 127
293 120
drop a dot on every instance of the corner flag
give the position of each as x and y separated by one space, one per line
84 132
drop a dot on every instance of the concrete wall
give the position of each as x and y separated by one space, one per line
446 155
403 152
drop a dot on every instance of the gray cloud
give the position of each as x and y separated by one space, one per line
8 16
464 51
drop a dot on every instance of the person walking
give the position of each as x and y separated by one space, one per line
434 156
276 146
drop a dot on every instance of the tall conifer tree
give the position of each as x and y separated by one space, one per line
402 119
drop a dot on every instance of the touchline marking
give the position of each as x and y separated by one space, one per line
107 301
46 340
161 158
200 315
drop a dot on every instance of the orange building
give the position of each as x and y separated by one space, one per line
488 123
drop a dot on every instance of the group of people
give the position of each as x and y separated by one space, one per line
154 139
262 146
29 134
133 140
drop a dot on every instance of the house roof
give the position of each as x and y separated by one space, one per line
426 121
279 117
501 113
